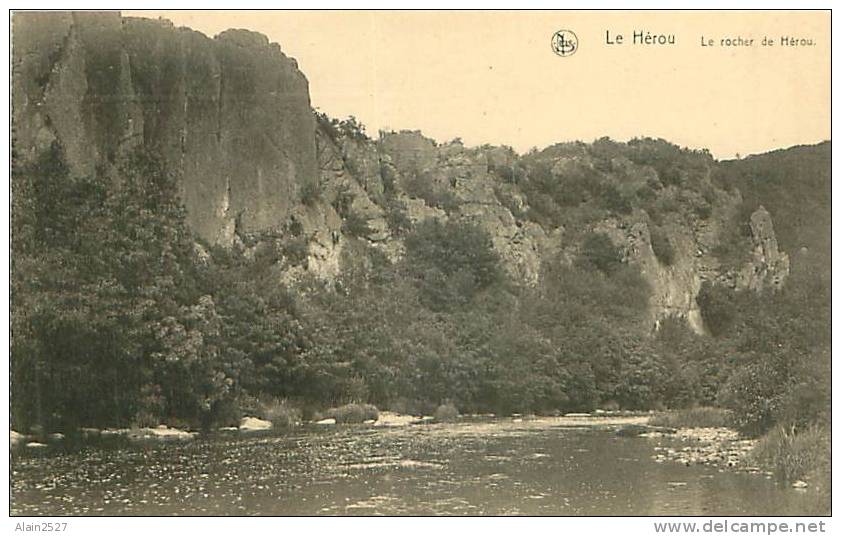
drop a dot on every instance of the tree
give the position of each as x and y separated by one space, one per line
450 262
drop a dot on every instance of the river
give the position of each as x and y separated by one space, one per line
546 466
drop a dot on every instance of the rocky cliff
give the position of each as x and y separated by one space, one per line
231 115
420 179
232 118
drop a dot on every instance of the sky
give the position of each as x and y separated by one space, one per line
492 77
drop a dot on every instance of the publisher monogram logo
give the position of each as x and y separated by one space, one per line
564 43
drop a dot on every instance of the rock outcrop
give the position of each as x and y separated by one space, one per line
232 118
451 182
231 115
769 266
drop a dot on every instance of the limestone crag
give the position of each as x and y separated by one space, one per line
673 286
231 115
769 266
451 182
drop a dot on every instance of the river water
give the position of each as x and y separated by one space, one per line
547 466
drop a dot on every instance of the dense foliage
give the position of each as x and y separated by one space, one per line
120 316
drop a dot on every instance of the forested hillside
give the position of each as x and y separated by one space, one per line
121 316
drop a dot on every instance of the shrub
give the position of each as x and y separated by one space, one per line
735 245
224 412
806 400
703 211
388 176
613 200
310 193
718 307
578 185
662 246
296 250
505 172
328 126
343 201
446 413
792 454
355 224
267 253
334 128
145 419
753 393
396 218
598 251
646 193
670 175
353 413
422 186
353 129
281 414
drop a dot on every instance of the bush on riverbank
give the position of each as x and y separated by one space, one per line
792 454
446 413
280 413
799 455
354 413
700 417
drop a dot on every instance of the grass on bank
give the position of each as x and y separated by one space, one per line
803 454
794 454
280 412
700 417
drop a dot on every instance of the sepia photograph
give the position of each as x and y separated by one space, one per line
571 263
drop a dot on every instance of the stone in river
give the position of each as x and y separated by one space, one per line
632 430
253 424
159 434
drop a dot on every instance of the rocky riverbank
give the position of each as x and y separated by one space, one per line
719 447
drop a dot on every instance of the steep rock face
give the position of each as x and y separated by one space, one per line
411 153
769 266
231 115
451 181
674 286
